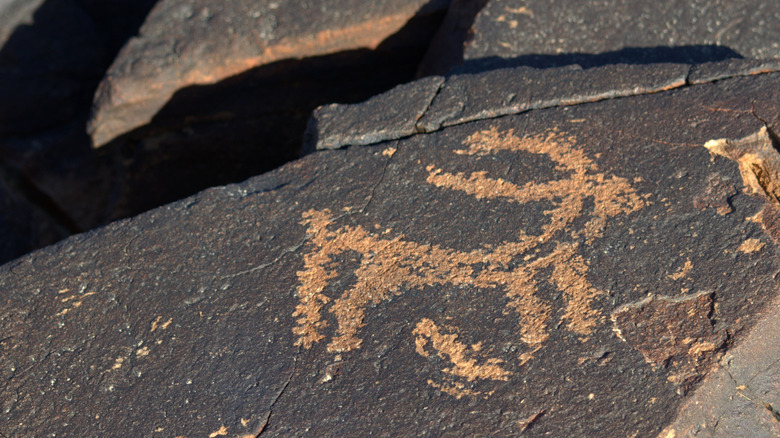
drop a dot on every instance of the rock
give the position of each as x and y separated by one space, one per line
568 271
185 43
466 97
389 116
234 86
547 34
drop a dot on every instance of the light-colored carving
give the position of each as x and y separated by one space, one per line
467 361
391 265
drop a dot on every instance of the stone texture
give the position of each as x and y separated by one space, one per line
544 34
197 42
473 281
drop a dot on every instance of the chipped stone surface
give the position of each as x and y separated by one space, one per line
759 162
515 28
674 333
197 42
456 282
740 397
389 116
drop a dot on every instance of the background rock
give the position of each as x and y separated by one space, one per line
200 42
210 94
53 53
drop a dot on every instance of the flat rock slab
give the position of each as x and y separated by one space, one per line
508 29
572 271
197 42
435 102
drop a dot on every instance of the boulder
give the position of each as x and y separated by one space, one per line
212 93
569 270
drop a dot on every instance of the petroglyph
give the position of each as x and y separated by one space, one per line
391 265
463 358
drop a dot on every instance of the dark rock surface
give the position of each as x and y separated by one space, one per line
570 271
541 33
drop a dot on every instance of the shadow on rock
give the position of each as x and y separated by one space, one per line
693 54
208 135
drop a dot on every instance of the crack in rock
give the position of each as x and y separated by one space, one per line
264 424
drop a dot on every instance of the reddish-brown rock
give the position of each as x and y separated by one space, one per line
198 42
